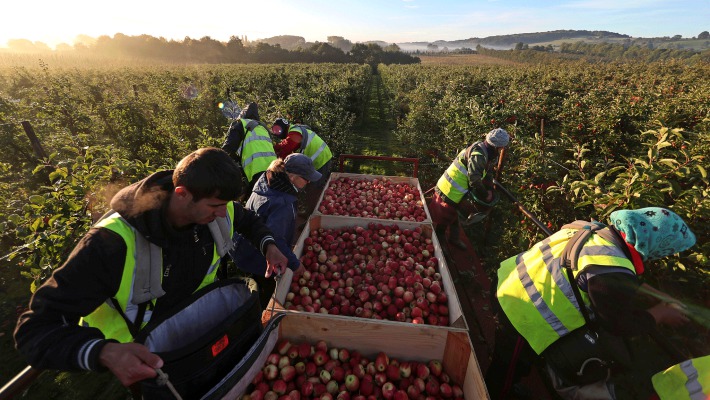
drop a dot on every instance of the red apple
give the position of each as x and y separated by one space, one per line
279 387
445 390
271 371
435 367
352 382
388 390
288 373
381 362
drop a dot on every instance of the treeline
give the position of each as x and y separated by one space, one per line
595 52
211 51
621 52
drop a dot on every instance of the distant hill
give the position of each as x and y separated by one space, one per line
504 42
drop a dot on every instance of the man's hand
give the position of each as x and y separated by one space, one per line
299 271
130 362
276 262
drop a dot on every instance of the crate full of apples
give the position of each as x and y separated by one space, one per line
374 269
374 196
314 357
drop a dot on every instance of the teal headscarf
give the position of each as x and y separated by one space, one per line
654 232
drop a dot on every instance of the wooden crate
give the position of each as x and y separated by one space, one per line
366 177
406 343
456 318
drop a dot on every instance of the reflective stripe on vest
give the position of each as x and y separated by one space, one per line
536 295
313 146
138 281
454 182
257 149
689 380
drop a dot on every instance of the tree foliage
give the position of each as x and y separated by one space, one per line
279 49
106 128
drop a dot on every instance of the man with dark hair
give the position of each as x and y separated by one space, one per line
86 315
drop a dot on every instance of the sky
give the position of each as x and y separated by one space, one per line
394 21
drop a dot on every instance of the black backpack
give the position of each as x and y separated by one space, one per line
203 338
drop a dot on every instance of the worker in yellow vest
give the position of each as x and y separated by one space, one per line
249 143
546 313
161 243
470 171
689 380
298 138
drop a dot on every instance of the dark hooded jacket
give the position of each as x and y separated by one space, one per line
275 202
48 334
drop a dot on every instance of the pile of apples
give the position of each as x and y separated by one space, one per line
298 371
377 198
378 272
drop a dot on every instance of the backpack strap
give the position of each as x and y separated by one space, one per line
568 261
149 271
147 284
584 231
574 245
221 233
570 254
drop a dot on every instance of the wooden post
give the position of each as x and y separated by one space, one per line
36 145
542 135
499 171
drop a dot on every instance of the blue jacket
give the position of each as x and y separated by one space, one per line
278 210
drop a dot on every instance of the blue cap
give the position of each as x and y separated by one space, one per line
302 166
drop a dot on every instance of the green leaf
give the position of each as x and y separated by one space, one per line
56 174
668 161
599 177
703 173
15 219
37 199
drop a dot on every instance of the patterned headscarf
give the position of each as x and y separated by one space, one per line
653 231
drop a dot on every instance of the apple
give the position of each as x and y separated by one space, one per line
381 362
388 390
271 371
352 382
288 373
